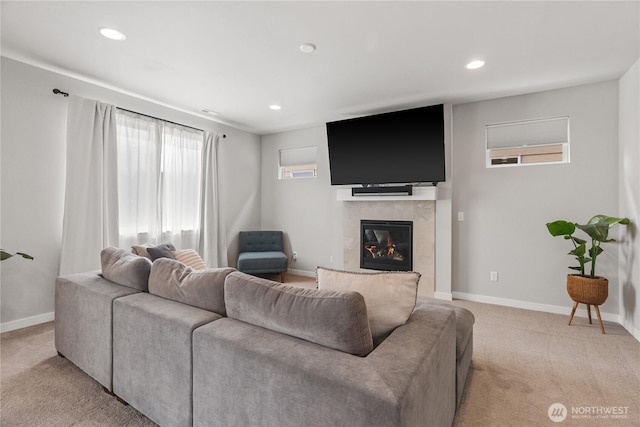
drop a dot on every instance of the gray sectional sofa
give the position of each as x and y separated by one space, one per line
218 347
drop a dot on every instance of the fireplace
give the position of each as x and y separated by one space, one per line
386 245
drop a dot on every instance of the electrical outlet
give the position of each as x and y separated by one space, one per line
493 276
294 256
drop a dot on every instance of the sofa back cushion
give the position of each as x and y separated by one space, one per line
125 268
390 296
337 320
176 281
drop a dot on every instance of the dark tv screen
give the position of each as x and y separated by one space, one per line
391 148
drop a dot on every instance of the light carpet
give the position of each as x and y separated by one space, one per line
524 361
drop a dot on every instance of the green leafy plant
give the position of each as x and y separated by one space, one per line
6 255
597 229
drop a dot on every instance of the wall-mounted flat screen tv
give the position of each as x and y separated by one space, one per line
402 147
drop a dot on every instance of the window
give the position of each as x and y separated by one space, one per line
159 181
298 163
528 142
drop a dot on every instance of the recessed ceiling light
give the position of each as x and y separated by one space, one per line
207 111
307 47
275 107
475 64
112 34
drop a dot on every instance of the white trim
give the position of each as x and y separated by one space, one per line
26 322
628 325
443 295
532 306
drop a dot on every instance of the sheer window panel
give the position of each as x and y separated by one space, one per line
159 181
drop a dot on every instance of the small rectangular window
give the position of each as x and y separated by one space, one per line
528 142
298 163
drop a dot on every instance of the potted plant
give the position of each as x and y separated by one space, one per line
586 288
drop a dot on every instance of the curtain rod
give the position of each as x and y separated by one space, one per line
65 94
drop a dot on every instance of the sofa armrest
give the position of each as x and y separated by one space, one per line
83 325
408 380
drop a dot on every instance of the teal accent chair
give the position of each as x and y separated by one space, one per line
262 252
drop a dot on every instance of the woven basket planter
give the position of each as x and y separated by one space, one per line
587 290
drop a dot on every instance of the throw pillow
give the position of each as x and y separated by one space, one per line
124 268
142 250
176 281
333 319
161 251
390 296
191 258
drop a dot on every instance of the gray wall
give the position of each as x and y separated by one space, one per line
629 193
506 209
33 173
305 209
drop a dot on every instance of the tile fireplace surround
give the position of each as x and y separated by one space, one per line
421 212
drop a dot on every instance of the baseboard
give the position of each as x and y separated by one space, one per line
443 295
26 322
303 273
631 329
580 312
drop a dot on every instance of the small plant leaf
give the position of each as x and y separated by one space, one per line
6 255
561 228
579 251
595 251
578 240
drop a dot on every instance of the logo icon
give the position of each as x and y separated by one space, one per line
557 412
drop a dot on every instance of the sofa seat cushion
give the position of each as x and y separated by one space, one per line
126 269
262 262
176 281
334 319
390 296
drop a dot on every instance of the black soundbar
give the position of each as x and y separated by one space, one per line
397 190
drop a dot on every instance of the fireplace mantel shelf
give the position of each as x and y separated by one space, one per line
419 193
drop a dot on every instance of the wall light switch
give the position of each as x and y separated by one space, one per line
460 216
493 276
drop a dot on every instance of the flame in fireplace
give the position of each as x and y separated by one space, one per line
387 251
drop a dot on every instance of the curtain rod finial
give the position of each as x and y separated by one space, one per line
59 92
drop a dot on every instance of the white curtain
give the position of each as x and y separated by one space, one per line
181 186
168 187
132 179
91 203
213 243
139 166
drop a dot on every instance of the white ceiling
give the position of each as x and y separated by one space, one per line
237 58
